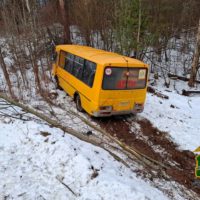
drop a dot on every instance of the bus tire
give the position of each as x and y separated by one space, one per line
78 103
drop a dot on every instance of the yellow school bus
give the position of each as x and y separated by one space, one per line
102 83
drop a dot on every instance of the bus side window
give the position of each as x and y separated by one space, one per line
89 73
66 64
69 62
78 67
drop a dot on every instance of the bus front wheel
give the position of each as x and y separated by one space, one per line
78 104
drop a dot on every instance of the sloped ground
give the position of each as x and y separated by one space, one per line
58 166
140 134
178 115
40 162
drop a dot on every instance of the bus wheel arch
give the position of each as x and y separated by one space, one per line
77 100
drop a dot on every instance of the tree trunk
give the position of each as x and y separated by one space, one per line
65 20
195 62
28 5
139 28
6 75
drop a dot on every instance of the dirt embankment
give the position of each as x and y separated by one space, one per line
156 144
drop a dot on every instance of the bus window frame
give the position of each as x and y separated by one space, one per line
60 59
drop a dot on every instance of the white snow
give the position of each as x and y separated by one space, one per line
8 61
182 122
32 166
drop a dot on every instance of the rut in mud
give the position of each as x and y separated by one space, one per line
140 134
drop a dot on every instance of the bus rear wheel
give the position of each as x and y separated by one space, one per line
78 104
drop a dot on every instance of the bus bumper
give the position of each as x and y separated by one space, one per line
113 112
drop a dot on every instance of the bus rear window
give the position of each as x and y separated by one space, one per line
116 78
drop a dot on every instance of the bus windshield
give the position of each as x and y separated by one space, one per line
118 78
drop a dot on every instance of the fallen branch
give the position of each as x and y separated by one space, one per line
67 187
182 78
91 139
11 116
127 150
130 152
45 118
190 92
158 94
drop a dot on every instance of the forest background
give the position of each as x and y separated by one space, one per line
163 33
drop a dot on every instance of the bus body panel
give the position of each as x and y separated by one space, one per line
122 100
71 85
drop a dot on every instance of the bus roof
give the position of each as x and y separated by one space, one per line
100 56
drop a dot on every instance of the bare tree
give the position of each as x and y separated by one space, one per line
195 62
6 74
64 9
139 26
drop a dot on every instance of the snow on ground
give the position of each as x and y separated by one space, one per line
178 115
32 166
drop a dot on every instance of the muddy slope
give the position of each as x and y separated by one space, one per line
140 134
